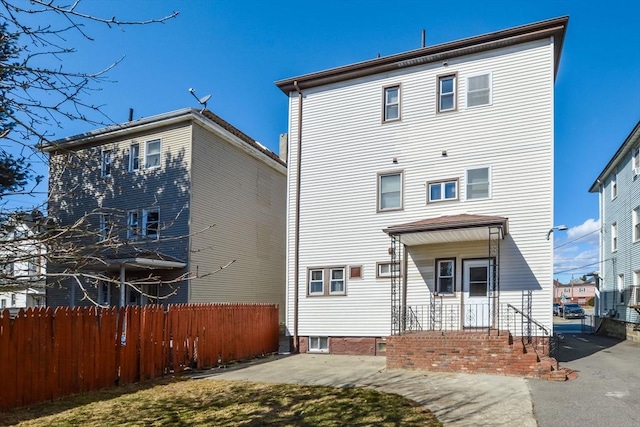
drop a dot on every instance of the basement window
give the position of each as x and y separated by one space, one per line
318 344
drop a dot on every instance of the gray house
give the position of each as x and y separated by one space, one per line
618 187
180 207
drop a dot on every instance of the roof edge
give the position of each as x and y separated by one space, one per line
626 146
538 30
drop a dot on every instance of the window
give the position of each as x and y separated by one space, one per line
635 218
327 281
134 157
390 191
444 190
445 279
316 282
614 236
620 282
447 93
13 300
151 223
337 281
319 344
479 90
384 269
152 154
635 291
3 303
614 185
478 183
104 293
103 232
391 103
635 162
106 163
133 225
582 290
355 272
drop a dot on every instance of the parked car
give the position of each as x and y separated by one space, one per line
556 309
572 311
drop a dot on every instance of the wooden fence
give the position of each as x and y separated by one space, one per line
47 354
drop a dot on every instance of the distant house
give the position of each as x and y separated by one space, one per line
421 190
618 188
165 202
576 290
22 280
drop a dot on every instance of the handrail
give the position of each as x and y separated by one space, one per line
530 319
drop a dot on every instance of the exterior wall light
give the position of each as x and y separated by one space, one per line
557 227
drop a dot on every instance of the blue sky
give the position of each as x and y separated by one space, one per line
235 50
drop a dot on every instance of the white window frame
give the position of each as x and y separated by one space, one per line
489 89
14 300
3 303
318 344
145 223
635 221
383 269
333 281
379 201
133 227
614 237
106 163
387 105
316 281
134 161
442 185
467 184
634 300
440 261
103 227
635 161
614 185
620 286
104 293
453 93
148 154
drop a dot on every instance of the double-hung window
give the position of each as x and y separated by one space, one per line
104 293
478 183
635 162
443 190
614 236
620 283
390 191
134 157
447 93
635 220
133 224
327 281
151 223
445 276
103 231
614 185
391 103
479 90
152 154
106 163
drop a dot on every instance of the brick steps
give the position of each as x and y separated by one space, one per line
473 352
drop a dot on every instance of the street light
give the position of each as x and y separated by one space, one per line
557 227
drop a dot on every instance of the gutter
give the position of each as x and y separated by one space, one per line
296 256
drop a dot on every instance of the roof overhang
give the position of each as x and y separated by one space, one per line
628 144
448 229
555 28
140 264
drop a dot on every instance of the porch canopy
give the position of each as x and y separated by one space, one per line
131 259
448 229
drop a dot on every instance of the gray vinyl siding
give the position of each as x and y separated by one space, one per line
345 146
77 188
238 213
626 259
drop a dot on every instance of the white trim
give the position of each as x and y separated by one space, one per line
131 157
635 223
145 214
489 179
104 163
443 192
614 237
466 98
454 92
159 154
344 281
385 104
131 232
320 348
311 270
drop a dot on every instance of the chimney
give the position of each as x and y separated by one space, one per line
284 147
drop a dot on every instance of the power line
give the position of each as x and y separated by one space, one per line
579 268
577 238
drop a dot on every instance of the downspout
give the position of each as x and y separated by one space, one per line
296 256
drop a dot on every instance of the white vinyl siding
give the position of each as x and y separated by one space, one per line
514 137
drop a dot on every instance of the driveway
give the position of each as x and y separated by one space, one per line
606 392
456 399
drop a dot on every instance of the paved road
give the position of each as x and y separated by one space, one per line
606 392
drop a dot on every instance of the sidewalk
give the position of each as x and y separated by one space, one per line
456 399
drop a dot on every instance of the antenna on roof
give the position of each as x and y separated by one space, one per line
202 101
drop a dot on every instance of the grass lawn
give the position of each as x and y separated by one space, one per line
225 403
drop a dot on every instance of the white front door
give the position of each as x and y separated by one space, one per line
476 293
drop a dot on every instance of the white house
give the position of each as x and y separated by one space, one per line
22 280
420 192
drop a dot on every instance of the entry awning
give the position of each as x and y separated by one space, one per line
133 260
448 229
